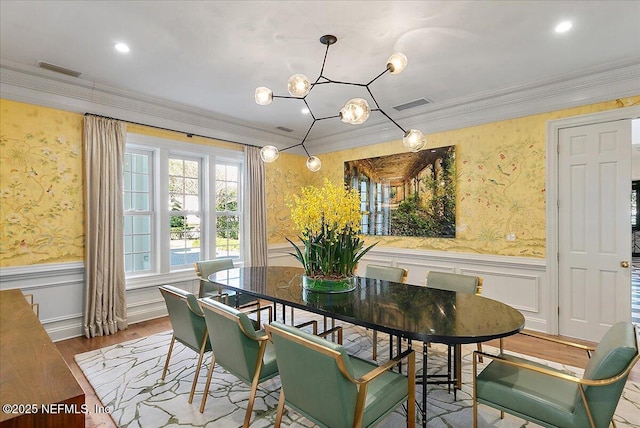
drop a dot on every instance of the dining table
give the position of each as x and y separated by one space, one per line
404 311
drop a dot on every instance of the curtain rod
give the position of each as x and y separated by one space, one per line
188 134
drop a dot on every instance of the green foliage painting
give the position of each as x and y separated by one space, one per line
406 194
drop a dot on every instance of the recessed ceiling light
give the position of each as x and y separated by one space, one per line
122 47
564 26
305 111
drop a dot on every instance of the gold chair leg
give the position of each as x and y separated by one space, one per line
501 414
206 386
195 377
166 364
280 409
254 384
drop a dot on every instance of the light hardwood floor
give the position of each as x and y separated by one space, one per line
519 343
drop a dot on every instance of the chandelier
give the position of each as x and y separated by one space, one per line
355 112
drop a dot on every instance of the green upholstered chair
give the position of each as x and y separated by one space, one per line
237 347
461 284
384 273
204 268
189 328
333 389
553 398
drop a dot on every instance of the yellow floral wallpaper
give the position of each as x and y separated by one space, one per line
500 187
41 193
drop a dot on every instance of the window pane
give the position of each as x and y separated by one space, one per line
184 185
176 184
141 262
176 202
142 224
140 201
126 201
141 163
176 167
127 181
137 243
185 240
191 186
227 236
191 169
126 165
142 243
191 203
128 263
140 182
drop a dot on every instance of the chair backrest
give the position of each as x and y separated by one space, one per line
314 374
386 273
186 317
204 268
614 354
453 282
232 337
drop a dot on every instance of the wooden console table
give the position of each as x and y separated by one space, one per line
37 389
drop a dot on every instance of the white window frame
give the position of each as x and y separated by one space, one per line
152 212
162 148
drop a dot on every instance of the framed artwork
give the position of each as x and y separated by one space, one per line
407 194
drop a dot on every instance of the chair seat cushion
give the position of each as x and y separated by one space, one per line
386 391
544 399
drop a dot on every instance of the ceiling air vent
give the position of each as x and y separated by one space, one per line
285 129
58 69
412 104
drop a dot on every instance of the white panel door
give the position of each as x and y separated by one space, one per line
594 283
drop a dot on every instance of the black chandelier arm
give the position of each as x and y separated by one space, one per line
378 76
373 98
306 135
287 96
324 61
388 117
291 147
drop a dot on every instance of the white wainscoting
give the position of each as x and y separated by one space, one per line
59 288
517 281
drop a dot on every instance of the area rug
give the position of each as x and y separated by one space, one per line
126 378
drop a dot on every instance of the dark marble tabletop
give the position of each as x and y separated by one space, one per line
410 311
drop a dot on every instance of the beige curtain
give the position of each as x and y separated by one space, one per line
105 309
255 209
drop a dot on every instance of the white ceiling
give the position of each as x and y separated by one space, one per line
211 55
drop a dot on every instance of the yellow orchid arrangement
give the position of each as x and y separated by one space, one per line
329 222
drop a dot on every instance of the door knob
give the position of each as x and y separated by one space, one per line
624 264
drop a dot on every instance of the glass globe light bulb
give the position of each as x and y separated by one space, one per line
355 111
264 96
298 85
397 62
269 153
314 164
414 140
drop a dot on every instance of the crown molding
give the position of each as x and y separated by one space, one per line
33 85
618 80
